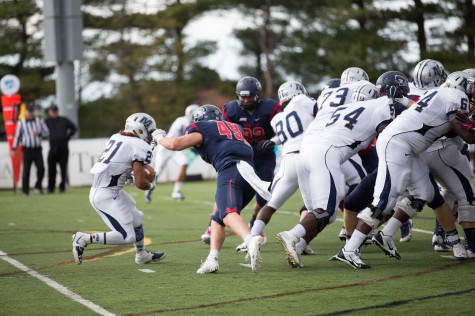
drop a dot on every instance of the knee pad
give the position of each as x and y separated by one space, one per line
139 234
411 206
371 215
466 213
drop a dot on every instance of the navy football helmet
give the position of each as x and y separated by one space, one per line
394 84
332 83
248 87
208 112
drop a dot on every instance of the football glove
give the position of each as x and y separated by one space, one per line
129 180
394 92
265 146
463 119
158 134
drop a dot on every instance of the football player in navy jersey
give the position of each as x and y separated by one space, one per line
254 114
223 145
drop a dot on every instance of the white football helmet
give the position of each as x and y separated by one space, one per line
460 80
288 90
470 71
142 125
429 74
190 111
364 92
353 74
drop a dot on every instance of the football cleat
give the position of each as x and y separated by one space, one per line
79 243
470 254
254 252
352 258
288 241
209 266
460 253
440 244
386 243
144 257
178 196
307 251
241 247
342 235
206 237
406 231
148 196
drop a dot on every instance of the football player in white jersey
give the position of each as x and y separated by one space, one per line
402 168
126 152
298 111
163 155
331 98
322 155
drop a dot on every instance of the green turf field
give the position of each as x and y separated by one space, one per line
35 235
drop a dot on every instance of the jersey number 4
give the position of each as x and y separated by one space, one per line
229 129
351 118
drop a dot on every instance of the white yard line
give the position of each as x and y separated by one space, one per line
55 285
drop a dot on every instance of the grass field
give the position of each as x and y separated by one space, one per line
36 231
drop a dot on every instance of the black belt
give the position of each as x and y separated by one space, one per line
294 152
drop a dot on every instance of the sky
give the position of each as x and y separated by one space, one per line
218 26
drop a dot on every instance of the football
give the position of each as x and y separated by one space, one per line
149 173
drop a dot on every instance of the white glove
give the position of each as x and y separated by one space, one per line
158 134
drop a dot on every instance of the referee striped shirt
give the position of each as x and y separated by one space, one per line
30 132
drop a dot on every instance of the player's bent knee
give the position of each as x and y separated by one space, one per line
366 216
466 213
130 239
411 206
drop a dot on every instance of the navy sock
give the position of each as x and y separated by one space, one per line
470 238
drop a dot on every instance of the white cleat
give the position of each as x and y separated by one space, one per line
206 237
211 265
460 253
254 252
351 258
178 196
79 243
241 247
386 243
288 241
144 257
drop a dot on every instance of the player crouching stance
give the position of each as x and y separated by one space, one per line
222 144
127 151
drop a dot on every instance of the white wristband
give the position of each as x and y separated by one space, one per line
404 101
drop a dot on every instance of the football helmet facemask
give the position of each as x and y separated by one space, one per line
208 112
395 84
460 80
248 92
142 125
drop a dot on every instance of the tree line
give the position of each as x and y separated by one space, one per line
140 49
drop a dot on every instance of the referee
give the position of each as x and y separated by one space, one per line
29 132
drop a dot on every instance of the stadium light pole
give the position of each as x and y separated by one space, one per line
63 45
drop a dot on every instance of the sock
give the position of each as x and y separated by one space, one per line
300 246
177 186
438 230
139 245
452 237
213 254
391 227
258 227
298 231
247 239
356 240
470 238
109 238
251 222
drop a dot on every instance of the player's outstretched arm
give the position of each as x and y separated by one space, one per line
183 142
463 128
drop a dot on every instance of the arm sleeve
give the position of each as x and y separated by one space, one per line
18 134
